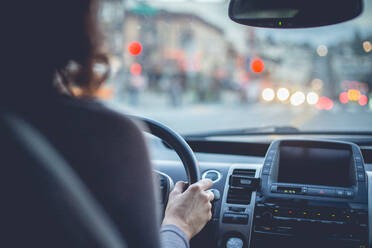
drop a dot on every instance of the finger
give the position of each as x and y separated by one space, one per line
179 187
205 184
210 195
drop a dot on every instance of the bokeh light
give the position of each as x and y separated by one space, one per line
297 98
322 50
325 103
367 46
257 65
312 98
353 95
317 84
135 48
135 69
268 94
363 100
344 98
282 94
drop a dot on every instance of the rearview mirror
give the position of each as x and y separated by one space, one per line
293 13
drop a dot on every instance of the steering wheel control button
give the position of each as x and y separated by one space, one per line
213 175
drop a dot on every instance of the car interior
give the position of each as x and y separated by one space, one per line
274 188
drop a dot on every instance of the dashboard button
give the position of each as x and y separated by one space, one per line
333 215
321 192
330 192
312 191
339 193
349 193
347 216
274 189
304 191
304 213
266 171
317 214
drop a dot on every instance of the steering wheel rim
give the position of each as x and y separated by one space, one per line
174 140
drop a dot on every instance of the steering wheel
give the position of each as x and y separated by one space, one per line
180 146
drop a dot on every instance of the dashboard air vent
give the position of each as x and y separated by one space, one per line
244 172
240 190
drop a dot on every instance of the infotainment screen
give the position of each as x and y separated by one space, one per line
315 166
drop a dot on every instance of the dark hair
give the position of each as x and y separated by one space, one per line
45 38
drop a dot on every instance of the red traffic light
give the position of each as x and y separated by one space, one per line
257 65
135 69
135 48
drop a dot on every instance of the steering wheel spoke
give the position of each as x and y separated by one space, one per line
166 185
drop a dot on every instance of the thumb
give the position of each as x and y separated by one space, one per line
179 187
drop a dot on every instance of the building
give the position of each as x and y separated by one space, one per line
170 39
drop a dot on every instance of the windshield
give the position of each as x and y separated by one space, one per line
186 64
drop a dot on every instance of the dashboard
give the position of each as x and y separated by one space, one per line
297 193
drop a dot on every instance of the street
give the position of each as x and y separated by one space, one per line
195 118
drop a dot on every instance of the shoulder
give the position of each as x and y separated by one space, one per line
97 115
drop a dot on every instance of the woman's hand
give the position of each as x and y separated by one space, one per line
189 210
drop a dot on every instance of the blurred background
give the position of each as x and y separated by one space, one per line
186 64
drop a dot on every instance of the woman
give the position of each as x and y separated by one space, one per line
50 47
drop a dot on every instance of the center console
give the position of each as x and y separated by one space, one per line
312 194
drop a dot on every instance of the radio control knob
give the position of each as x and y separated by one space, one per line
234 242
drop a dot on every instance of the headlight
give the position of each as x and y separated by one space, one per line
312 98
297 98
268 94
282 94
